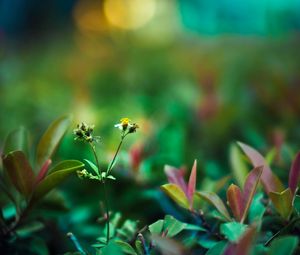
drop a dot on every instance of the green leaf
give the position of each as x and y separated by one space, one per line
244 244
19 171
156 227
233 230
17 140
216 201
58 174
51 139
139 247
260 249
217 249
125 247
111 177
283 202
207 242
194 227
93 166
297 203
28 229
111 249
176 193
257 209
284 245
238 166
173 226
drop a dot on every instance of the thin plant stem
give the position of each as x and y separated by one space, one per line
107 213
105 194
76 243
96 158
115 156
281 231
104 183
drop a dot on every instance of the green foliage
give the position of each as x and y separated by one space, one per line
284 245
232 230
51 138
176 193
29 187
57 175
20 172
216 201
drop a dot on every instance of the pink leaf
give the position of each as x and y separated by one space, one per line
295 174
43 171
235 201
176 176
250 187
192 183
270 181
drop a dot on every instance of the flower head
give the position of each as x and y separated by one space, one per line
84 132
126 126
133 128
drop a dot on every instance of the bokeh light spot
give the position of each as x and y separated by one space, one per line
129 14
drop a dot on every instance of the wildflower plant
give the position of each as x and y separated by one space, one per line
84 133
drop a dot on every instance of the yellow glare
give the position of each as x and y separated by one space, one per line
129 14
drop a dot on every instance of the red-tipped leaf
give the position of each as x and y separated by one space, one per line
269 180
192 183
43 171
176 176
294 176
235 201
250 187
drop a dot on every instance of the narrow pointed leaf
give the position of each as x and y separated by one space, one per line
176 176
238 166
58 174
270 181
17 140
250 188
283 202
176 193
51 139
235 201
93 166
294 176
19 171
216 201
192 183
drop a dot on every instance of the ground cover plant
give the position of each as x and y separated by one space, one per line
246 212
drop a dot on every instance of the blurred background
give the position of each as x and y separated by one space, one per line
195 75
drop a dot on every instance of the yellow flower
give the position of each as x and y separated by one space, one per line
124 124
